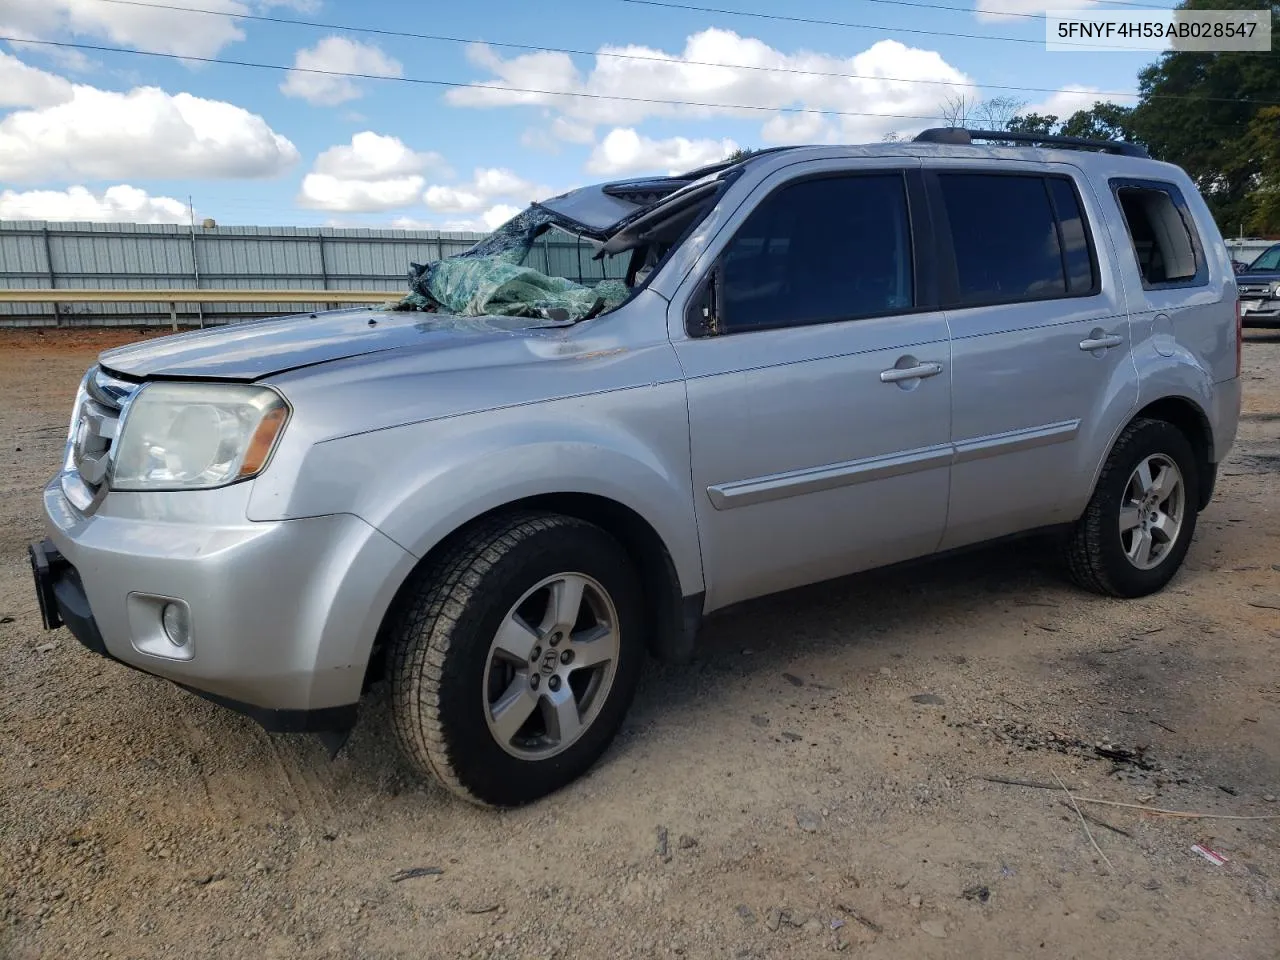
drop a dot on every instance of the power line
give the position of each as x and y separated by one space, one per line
459 84
814 21
936 6
652 3
534 48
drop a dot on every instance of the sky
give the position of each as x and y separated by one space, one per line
120 135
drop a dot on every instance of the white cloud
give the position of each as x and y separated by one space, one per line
560 130
550 72
797 128
119 204
1067 101
371 173
572 131
490 219
372 156
625 151
487 185
340 55
497 215
444 199
164 31
322 191
26 86
1010 9
792 80
411 223
102 134
64 58
500 182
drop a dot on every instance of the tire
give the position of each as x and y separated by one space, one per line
457 688
1106 559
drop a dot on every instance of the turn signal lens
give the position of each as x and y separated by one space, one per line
263 442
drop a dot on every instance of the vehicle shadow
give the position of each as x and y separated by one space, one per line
869 613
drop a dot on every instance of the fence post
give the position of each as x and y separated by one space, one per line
53 279
324 271
195 263
173 315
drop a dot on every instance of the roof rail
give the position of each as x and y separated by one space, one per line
959 136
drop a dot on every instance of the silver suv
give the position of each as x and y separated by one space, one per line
822 360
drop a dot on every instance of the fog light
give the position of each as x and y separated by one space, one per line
177 623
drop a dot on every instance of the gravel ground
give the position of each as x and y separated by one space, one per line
814 783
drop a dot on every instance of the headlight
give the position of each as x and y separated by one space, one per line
189 436
69 461
1275 288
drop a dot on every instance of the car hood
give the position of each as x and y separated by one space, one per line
260 348
1258 276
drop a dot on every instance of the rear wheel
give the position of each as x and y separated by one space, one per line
516 658
1139 523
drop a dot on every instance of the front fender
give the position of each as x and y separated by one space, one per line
420 482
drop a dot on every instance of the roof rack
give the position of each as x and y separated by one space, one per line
959 136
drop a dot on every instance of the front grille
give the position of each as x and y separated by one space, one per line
94 428
1251 291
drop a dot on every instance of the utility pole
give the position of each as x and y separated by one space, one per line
195 263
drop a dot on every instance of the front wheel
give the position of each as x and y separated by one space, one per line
516 657
1139 523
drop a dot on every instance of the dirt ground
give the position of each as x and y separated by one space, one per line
814 783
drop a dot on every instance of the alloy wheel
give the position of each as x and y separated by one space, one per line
1152 511
551 665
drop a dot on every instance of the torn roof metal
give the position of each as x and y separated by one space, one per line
601 210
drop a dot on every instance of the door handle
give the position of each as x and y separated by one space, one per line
918 372
1101 343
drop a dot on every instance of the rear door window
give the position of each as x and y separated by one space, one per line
1016 237
1073 235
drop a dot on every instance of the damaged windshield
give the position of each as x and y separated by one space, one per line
549 264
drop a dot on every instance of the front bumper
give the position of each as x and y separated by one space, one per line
283 615
1260 313
63 603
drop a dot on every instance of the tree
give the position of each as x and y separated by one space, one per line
956 109
741 154
998 112
1198 110
1041 123
1103 121
1263 141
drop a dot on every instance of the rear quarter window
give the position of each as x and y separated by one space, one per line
1162 234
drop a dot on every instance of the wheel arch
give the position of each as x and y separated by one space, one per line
672 618
1190 418
1193 422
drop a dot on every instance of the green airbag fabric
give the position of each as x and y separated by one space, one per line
490 279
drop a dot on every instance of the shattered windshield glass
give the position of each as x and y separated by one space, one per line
492 279
497 277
